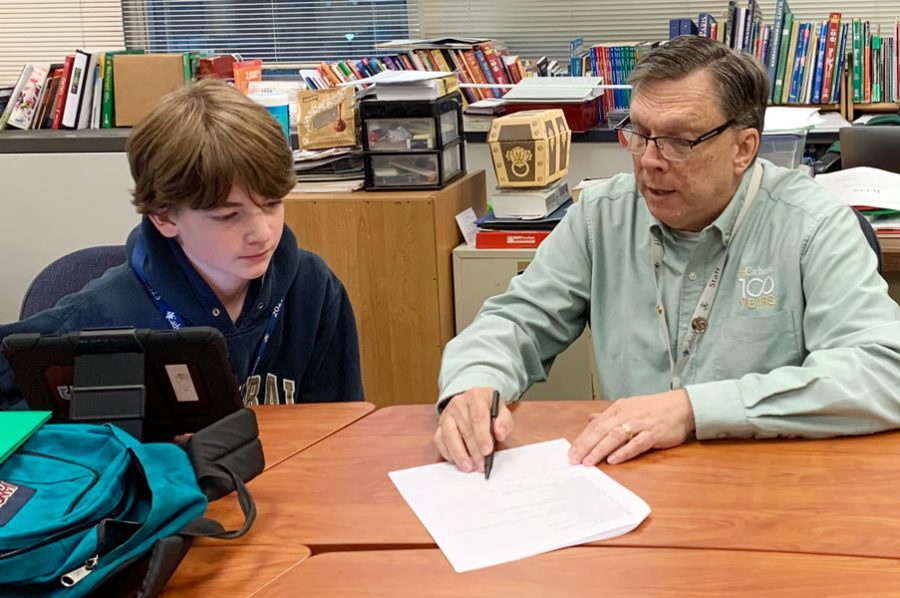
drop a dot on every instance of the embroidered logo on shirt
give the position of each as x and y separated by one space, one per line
12 498
757 287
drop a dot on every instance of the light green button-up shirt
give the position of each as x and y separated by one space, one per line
803 339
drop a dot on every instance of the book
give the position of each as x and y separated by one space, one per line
504 239
831 53
25 104
18 426
491 222
63 92
245 72
529 203
782 9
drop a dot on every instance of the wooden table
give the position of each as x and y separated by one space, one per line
227 566
605 571
288 429
834 496
226 571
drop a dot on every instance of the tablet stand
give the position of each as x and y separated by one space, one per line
109 380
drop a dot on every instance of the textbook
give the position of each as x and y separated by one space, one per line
529 203
17 427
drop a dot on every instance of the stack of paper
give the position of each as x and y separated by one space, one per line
555 89
534 502
874 192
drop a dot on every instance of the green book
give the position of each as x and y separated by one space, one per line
783 50
17 427
857 71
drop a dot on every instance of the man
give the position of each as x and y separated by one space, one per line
727 297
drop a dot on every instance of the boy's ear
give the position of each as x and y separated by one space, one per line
164 223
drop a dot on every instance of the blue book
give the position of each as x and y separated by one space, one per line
840 59
799 62
687 27
816 95
674 28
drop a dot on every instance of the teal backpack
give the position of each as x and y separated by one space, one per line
82 506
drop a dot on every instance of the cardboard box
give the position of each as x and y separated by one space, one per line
141 80
327 118
530 149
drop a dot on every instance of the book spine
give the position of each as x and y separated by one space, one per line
477 75
867 63
796 77
831 48
499 239
840 63
816 95
496 66
62 92
730 22
486 70
876 68
857 60
106 102
775 46
703 24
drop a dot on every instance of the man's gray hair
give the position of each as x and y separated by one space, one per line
741 82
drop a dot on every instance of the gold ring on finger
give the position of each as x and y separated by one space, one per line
629 433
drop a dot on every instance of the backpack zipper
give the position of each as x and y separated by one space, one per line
72 577
115 512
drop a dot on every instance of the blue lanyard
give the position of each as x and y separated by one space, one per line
139 255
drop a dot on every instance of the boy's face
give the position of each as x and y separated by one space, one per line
229 245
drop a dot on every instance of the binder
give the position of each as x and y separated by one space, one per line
17 427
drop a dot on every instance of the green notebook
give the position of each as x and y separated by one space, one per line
16 427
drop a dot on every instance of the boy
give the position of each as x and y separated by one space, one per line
211 168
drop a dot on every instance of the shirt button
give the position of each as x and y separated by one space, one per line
260 306
215 311
692 276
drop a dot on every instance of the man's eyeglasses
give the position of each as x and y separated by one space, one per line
674 149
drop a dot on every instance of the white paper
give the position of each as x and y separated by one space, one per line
864 186
407 77
465 220
781 119
534 502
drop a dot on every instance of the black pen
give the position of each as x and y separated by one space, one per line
489 460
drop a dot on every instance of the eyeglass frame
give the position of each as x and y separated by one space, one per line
692 143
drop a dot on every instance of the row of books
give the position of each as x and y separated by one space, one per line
474 61
806 61
82 93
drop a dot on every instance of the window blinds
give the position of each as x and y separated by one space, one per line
308 31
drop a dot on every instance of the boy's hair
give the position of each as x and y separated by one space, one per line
201 140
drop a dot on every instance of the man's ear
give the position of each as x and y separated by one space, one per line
162 220
745 152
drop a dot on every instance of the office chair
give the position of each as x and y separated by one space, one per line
871 237
68 275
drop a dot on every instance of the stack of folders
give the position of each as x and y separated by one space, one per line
331 170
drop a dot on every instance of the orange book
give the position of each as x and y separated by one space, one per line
477 75
245 72
494 61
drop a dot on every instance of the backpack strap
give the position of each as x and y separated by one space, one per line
205 526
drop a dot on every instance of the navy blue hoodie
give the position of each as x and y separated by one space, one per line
313 352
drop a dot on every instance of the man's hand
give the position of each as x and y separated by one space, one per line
633 426
463 434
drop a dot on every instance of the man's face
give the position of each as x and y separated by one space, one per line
229 245
689 194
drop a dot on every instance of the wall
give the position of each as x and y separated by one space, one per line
55 203
51 204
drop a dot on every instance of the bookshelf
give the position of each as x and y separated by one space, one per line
392 250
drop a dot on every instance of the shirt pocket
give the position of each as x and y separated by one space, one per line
756 344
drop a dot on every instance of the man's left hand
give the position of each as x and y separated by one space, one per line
632 426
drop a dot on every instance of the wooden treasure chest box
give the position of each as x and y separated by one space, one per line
531 148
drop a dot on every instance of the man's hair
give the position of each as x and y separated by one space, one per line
199 141
741 82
